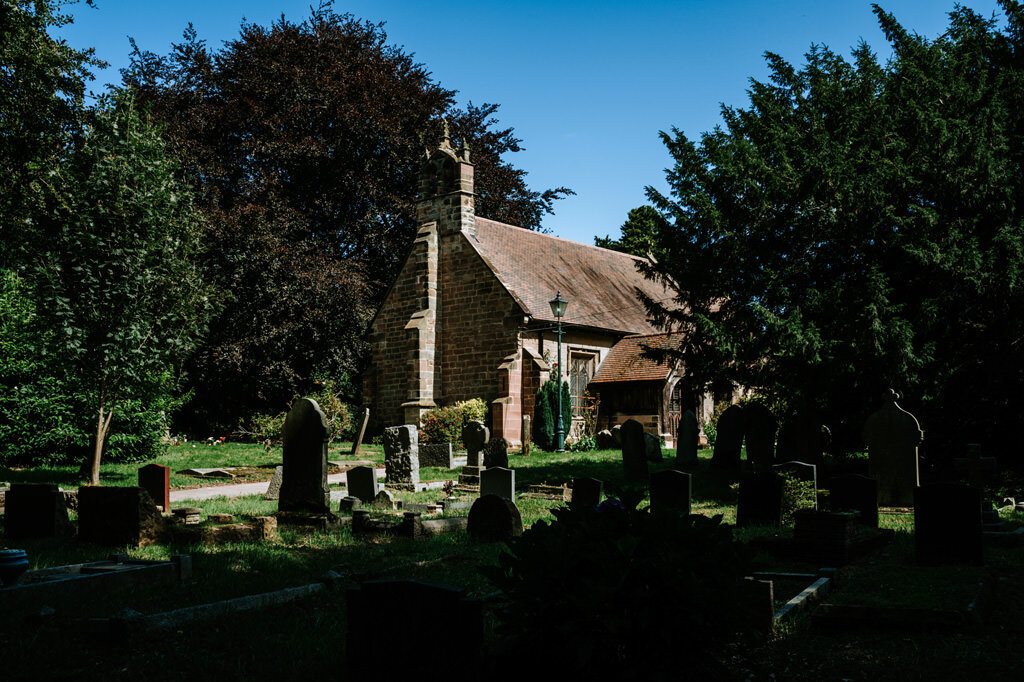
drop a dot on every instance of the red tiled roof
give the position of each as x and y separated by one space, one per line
599 284
625 361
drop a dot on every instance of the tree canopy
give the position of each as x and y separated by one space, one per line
303 141
859 226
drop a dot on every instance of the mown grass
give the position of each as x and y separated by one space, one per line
308 638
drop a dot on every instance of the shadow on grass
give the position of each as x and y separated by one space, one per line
66 477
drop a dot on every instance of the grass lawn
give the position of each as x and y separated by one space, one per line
308 637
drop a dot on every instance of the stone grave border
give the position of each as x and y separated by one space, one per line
821 583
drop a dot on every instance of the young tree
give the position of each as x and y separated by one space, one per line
114 272
303 141
857 227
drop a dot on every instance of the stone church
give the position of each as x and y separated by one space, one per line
469 317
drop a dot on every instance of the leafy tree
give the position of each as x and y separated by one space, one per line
858 226
303 141
42 87
118 296
639 232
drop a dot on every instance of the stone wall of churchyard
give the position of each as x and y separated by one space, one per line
479 325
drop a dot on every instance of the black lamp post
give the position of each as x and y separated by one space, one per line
558 305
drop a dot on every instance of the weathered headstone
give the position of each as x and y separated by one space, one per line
437 455
652 446
617 435
634 451
474 437
498 481
605 440
671 489
274 488
401 456
586 492
687 439
853 492
759 429
527 434
802 471
372 607
892 435
348 505
760 500
384 499
118 516
358 442
35 510
802 437
304 481
496 453
947 524
494 519
156 479
362 483
729 439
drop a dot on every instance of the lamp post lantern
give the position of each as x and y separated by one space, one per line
558 306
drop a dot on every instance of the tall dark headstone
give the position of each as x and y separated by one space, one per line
304 482
853 492
671 489
402 456
892 435
729 439
35 510
759 429
801 471
156 479
947 524
496 453
687 439
475 436
118 516
634 451
760 500
371 610
362 483
498 481
653 447
586 492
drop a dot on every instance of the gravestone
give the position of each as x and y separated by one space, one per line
759 429
437 455
156 479
374 607
802 438
854 492
348 505
474 437
617 435
304 479
892 435
687 439
586 492
634 451
801 471
384 499
496 453
35 510
118 516
947 524
527 434
358 442
494 519
401 456
605 440
498 481
274 488
760 500
652 445
362 483
671 489
729 440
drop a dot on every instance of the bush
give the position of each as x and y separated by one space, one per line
544 413
585 443
796 494
445 424
621 593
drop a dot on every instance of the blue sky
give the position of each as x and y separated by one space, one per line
586 85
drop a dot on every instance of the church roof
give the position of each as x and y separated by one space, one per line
600 284
626 362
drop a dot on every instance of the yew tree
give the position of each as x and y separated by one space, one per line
859 226
303 140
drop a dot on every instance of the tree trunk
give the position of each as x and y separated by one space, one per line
102 424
